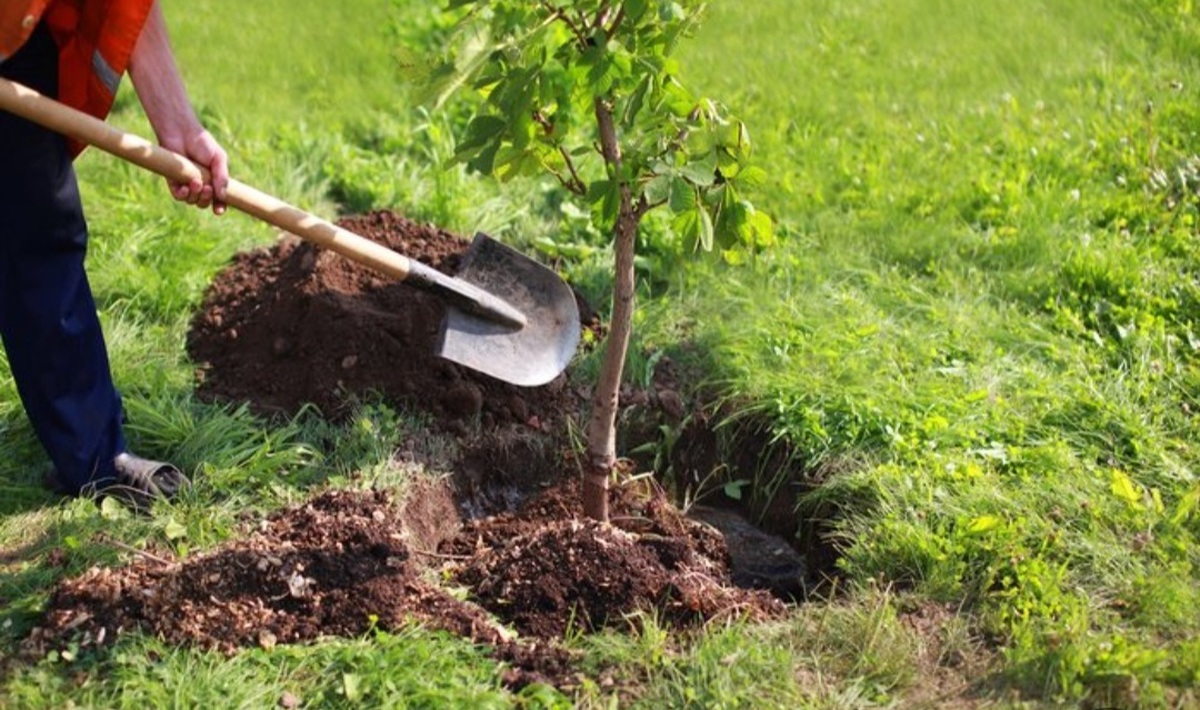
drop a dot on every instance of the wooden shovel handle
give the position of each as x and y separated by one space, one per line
31 105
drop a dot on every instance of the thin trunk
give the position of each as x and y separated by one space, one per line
602 428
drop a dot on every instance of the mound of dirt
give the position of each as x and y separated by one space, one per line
544 568
345 561
294 324
324 568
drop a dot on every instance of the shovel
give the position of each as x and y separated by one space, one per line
506 315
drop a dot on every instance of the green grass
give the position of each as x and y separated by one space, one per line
979 332
987 295
437 672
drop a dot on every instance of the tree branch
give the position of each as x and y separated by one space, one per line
557 13
130 548
573 183
643 206
601 15
609 147
612 29
577 185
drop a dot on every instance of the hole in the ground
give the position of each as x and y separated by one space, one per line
502 468
733 480
749 487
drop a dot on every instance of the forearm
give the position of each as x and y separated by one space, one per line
159 86
165 100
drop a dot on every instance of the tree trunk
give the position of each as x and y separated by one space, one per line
602 428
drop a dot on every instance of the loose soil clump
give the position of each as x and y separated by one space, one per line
328 567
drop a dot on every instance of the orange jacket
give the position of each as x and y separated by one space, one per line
95 41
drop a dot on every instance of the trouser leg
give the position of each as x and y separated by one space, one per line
48 319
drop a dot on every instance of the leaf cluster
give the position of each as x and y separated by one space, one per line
545 71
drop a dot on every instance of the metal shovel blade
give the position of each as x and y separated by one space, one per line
530 355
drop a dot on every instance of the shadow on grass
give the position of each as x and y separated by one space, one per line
22 469
17 497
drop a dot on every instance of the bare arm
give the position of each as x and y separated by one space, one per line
160 89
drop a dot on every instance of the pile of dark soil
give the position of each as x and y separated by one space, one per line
346 561
545 566
294 324
324 568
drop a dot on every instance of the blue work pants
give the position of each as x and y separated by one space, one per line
48 319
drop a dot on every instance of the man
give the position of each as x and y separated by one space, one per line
77 50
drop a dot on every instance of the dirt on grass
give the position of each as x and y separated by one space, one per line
346 562
292 324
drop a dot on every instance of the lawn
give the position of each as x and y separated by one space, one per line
971 360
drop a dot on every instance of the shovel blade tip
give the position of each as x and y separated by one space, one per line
529 356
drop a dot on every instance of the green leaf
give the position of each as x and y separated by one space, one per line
480 131
706 230
507 155
683 195
606 197
111 509
174 530
523 130
671 12
484 162
984 524
701 172
762 229
733 489
1187 504
658 189
735 138
675 99
472 56
603 70
751 178
352 687
638 98
636 9
687 225
597 190
1124 488
733 223
512 161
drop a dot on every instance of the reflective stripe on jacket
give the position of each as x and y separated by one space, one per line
95 41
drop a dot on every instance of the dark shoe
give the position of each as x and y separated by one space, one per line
140 482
